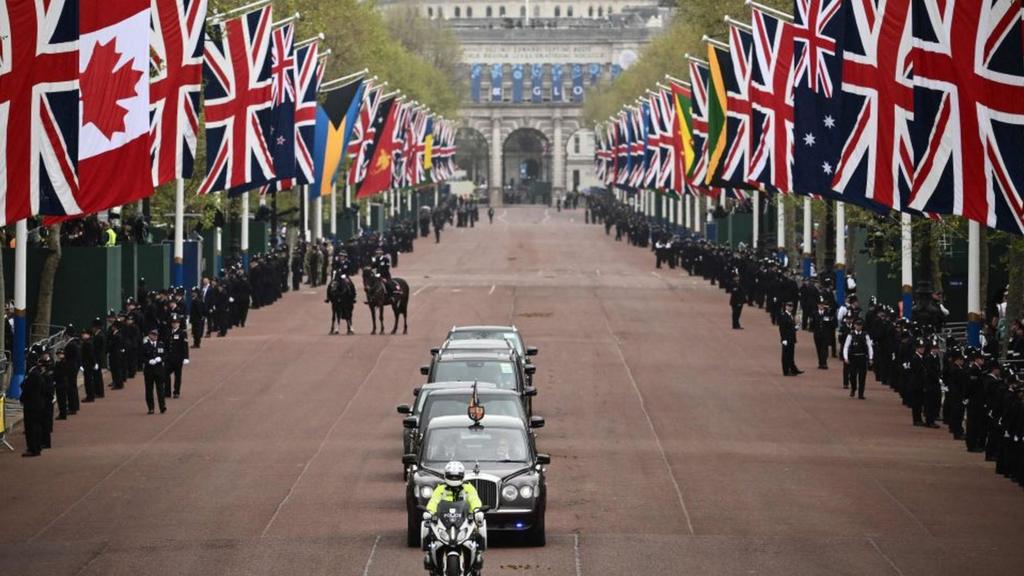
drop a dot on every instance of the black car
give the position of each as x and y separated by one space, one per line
501 463
449 401
501 368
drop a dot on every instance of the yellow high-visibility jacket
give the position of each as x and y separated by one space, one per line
443 492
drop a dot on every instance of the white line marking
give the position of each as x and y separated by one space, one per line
887 559
369 561
421 289
656 275
323 442
647 415
576 551
145 447
598 271
492 289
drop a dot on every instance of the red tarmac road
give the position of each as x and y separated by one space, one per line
677 446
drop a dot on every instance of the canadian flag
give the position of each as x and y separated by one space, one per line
113 64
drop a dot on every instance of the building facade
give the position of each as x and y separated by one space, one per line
529 66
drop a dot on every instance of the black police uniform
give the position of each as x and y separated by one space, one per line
857 353
177 353
153 353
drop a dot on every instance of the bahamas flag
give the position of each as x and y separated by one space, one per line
683 128
334 127
718 57
428 145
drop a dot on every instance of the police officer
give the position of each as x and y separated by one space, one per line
197 317
918 382
858 354
955 380
34 403
177 356
737 298
933 385
823 325
153 354
787 335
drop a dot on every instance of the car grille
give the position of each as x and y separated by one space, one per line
487 490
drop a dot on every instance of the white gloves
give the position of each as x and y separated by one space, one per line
479 517
785 343
231 299
152 361
96 367
185 361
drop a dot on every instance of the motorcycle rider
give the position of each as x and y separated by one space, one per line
454 489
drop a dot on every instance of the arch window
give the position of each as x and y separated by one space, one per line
501 11
536 11
440 11
458 12
576 144
558 11
568 11
489 12
469 11
590 11
430 11
600 11
522 11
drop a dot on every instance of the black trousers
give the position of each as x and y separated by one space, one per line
93 383
736 311
932 398
197 332
34 431
154 378
173 370
916 398
954 415
858 374
821 347
788 358
61 390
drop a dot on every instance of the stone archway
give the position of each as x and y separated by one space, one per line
472 152
526 157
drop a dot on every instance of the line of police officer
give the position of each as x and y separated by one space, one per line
148 335
980 399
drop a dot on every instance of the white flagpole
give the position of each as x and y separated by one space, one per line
907 263
304 190
318 218
20 300
840 253
974 316
245 230
179 232
334 210
807 237
756 232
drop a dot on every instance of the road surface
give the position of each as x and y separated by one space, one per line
677 446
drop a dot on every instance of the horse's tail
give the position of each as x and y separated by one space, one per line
404 302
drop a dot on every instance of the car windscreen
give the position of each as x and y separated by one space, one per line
512 337
480 444
499 372
456 405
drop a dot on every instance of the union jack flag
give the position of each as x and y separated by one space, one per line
622 150
176 59
39 118
969 111
652 148
444 151
363 134
307 85
878 103
771 100
664 116
815 43
733 169
417 150
637 149
699 77
239 88
602 158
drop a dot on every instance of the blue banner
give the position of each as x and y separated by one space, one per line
497 73
595 74
517 83
616 70
577 82
474 81
536 82
556 83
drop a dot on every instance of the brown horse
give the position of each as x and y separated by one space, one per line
377 298
341 293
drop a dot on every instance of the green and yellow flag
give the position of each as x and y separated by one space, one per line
718 57
681 98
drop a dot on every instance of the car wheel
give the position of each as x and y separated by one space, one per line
412 534
536 536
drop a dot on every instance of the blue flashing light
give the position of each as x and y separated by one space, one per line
519 525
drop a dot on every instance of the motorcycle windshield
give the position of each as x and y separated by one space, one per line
452 514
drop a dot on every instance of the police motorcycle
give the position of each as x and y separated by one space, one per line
454 540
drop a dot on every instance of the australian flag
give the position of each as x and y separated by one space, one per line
820 127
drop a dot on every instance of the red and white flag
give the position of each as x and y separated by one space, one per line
113 64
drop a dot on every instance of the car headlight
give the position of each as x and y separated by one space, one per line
426 492
509 493
526 492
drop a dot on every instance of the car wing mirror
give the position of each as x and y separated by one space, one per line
536 421
409 459
434 351
529 391
410 422
403 409
425 370
543 459
416 391
531 351
530 369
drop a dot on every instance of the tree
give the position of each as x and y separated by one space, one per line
44 305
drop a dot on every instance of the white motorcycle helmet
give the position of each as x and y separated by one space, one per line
454 473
